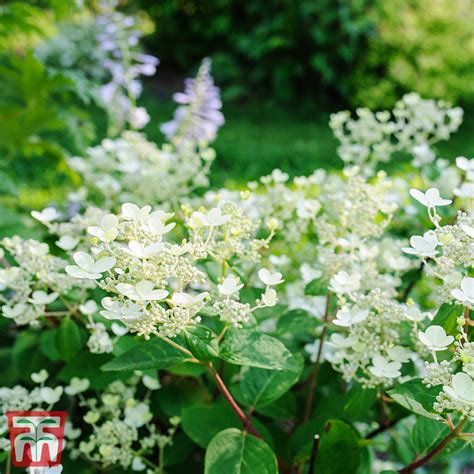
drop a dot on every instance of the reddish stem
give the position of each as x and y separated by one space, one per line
230 399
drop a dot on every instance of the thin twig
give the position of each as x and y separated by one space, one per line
230 399
435 451
314 453
314 375
387 425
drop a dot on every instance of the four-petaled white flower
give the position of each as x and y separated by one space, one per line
398 353
40 377
13 312
157 225
46 215
466 165
77 385
229 286
340 342
88 268
346 316
435 338
382 367
468 230
343 282
108 229
461 388
431 198
424 246
138 250
185 300
50 395
269 278
115 310
89 307
151 383
214 218
67 242
142 291
119 329
41 297
131 212
269 298
465 190
138 464
466 293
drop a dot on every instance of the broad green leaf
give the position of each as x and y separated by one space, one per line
68 339
339 449
173 398
446 317
297 321
318 287
152 354
202 422
429 433
261 387
233 452
202 343
283 408
416 397
245 347
87 365
359 402
47 344
26 357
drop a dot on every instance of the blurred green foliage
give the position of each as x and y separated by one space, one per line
342 52
279 48
421 45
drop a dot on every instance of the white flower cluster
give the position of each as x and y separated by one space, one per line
41 397
447 253
159 287
129 167
33 281
413 126
122 432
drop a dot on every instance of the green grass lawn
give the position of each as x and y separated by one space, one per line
258 138
255 139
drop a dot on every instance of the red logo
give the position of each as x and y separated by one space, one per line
36 437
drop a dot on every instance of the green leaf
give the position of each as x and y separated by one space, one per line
416 397
360 401
339 449
233 452
47 344
245 347
143 355
318 287
202 343
297 321
261 387
427 433
202 422
283 408
446 317
87 366
25 355
68 339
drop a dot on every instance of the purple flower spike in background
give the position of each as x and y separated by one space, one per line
198 118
